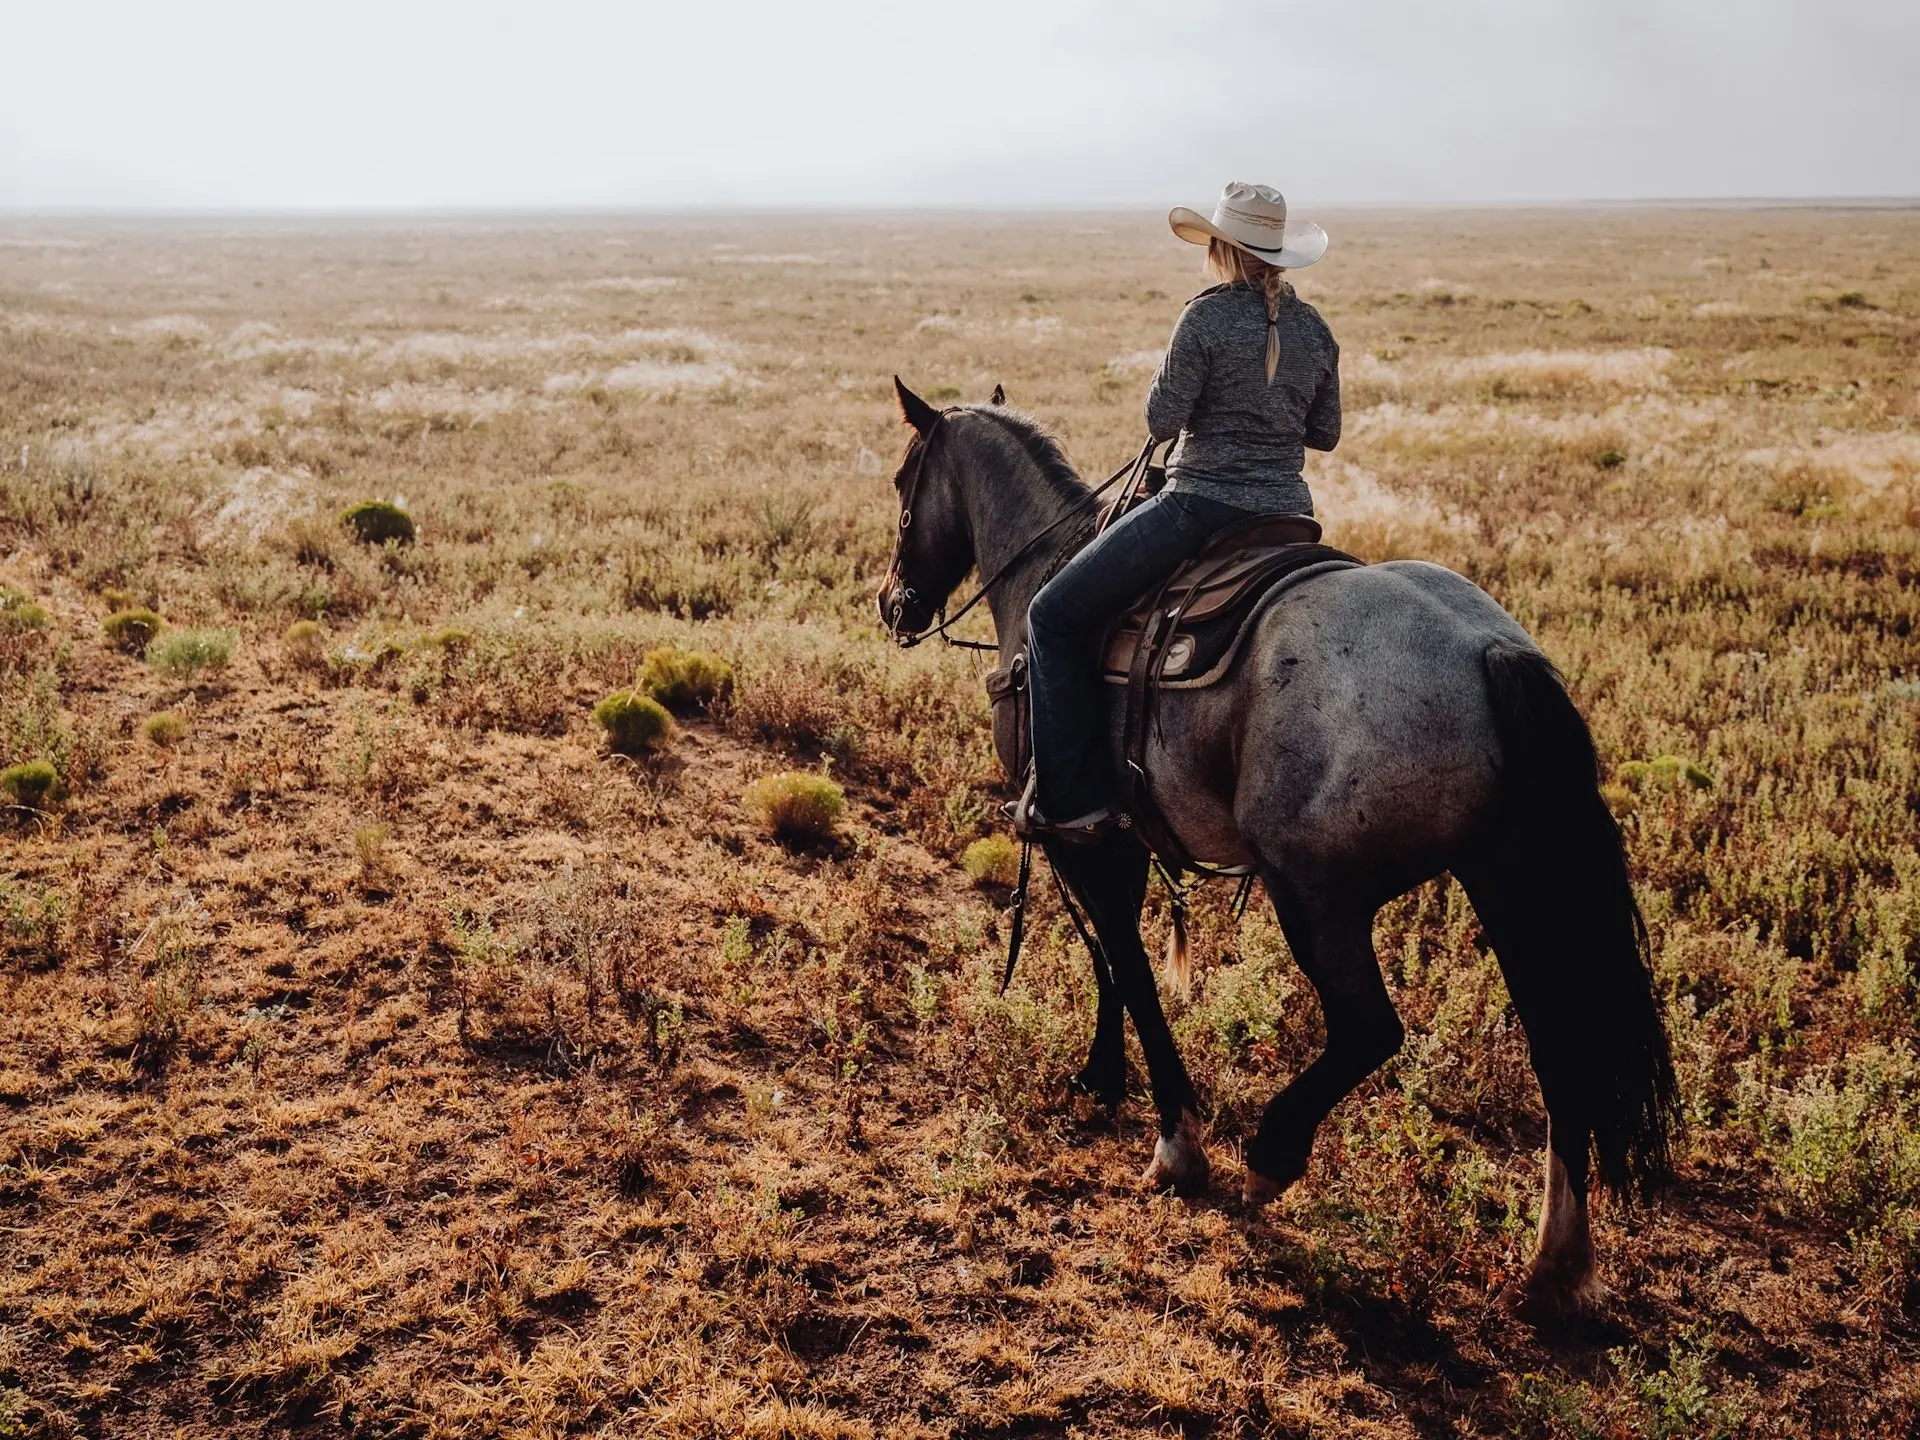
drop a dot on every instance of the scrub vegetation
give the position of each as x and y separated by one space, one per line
385 1054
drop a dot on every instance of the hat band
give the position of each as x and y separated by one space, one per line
1249 217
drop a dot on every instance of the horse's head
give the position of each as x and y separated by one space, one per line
932 548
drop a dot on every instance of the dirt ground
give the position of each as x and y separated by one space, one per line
379 1055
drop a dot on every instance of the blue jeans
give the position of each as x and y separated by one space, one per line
1064 625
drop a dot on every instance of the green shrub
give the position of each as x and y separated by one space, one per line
375 522
684 680
166 729
992 861
305 643
451 639
634 724
17 612
1851 1153
1609 459
796 806
184 654
32 783
132 630
1668 770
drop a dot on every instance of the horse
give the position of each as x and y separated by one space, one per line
1381 725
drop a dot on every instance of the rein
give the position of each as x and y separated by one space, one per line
943 622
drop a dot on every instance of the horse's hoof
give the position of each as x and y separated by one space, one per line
1258 1189
1548 1297
1262 1186
1097 1089
1179 1160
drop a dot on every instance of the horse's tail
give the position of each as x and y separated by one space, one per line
1570 938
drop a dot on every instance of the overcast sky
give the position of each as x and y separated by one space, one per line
269 104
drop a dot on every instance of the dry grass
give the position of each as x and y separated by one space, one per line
381 1057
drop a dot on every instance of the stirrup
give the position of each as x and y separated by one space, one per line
1093 828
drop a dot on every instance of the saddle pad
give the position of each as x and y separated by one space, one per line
1229 591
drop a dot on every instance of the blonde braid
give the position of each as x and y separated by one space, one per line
1274 284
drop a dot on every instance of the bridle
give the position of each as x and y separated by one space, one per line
942 624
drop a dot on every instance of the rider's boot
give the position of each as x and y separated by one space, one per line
1091 828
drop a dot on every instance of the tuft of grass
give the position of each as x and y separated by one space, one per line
684 680
32 783
375 522
166 729
784 521
796 806
132 630
17 612
187 654
1672 771
370 848
305 644
451 640
635 724
1610 459
992 861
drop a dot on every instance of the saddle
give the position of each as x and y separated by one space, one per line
1184 634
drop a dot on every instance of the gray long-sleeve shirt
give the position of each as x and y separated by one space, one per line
1242 440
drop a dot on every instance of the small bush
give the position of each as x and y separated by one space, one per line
635 724
32 783
1610 459
684 680
132 630
451 640
992 861
17 612
375 522
1668 770
184 654
116 599
795 806
166 729
305 643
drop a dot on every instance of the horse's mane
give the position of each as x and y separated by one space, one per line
1041 448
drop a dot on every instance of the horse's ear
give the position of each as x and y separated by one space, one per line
999 396
915 411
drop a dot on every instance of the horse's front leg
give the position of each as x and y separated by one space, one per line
1111 881
1104 1077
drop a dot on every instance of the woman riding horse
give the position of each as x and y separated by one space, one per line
1251 379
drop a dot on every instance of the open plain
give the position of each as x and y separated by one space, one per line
380 1056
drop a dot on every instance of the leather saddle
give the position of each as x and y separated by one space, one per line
1183 634
1189 629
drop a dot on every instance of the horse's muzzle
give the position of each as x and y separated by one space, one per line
900 610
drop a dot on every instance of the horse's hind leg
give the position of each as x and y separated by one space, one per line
1111 881
1363 1031
1561 1281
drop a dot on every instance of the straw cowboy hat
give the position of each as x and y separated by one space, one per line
1253 218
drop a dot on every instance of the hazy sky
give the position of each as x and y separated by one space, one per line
419 103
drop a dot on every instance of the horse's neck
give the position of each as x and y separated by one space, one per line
1009 502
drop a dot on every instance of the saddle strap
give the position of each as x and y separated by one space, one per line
1007 688
1149 659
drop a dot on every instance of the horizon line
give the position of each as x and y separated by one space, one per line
877 208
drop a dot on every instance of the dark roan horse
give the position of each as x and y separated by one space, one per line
1381 725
